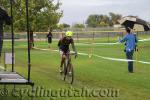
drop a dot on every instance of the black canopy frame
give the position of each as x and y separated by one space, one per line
18 78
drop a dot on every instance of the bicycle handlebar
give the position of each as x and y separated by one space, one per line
73 53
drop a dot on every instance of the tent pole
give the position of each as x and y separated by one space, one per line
12 31
29 61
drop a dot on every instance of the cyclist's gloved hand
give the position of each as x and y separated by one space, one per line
76 54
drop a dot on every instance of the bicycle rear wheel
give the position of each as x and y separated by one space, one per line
69 74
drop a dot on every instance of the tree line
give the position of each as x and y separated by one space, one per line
44 15
98 20
103 20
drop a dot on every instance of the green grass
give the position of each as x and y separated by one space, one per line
94 73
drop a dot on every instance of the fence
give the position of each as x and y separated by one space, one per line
106 36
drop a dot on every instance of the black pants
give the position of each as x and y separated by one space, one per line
49 40
129 56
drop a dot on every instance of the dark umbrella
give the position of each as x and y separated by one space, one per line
132 22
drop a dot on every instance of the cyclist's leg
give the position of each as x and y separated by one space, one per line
63 57
70 64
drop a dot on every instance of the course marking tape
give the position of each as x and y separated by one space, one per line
143 40
106 58
1 67
113 43
97 43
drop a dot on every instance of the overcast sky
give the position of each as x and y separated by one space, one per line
77 11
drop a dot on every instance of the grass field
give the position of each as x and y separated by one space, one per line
90 73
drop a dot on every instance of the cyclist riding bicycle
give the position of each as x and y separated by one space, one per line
63 45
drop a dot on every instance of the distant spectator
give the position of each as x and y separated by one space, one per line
49 37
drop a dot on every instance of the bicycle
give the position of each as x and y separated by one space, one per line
68 73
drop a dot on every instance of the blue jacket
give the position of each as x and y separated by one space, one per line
130 40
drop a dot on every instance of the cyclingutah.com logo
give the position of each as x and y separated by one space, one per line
61 92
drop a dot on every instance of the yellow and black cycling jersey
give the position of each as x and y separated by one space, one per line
64 43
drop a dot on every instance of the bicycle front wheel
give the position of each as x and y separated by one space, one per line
69 74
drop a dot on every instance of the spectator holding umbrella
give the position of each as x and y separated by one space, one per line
49 37
129 38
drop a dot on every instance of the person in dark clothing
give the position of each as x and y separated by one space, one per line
31 39
49 37
129 49
4 19
64 49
